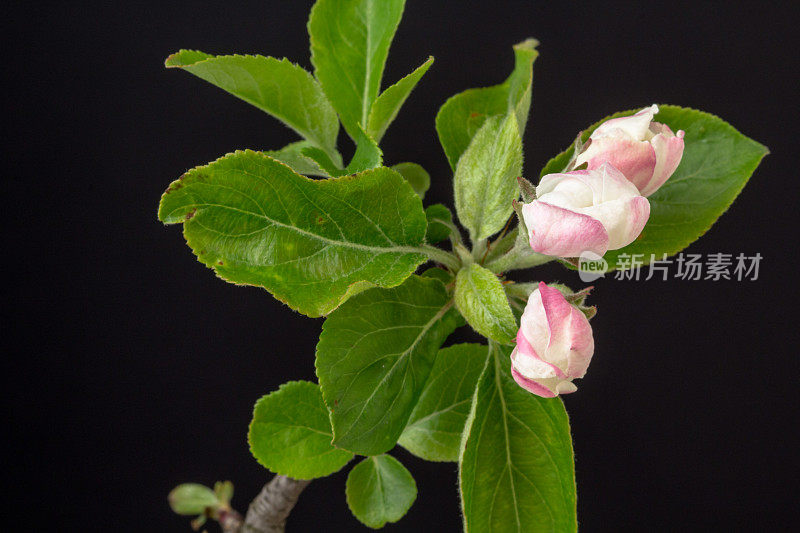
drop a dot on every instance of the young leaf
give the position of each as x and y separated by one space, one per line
311 243
332 168
717 162
463 114
192 499
368 155
482 301
294 156
435 426
277 86
417 176
373 357
291 433
485 181
440 222
350 40
379 489
516 470
388 104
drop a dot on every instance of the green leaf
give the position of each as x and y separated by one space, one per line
485 181
440 223
387 105
516 469
482 301
463 114
224 491
373 357
717 162
417 176
192 499
437 422
319 157
311 243
291 433
368 155
277 86
350 41
438 273
294 156
379 489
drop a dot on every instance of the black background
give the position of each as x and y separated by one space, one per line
131 368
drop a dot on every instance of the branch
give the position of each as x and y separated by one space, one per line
269 510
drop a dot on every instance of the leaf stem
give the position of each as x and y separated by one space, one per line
440 256
517 259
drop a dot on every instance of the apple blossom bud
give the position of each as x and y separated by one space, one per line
554 344
646 152
585 210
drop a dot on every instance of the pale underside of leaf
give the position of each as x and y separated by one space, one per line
485 181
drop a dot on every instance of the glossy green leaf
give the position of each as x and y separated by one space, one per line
516 469
485 182
294 156
717 162
277 86
463 114
482 301
311 243
374 356
350 40
192 499
379 490
440 223
414 174
388 104
435 426
291 433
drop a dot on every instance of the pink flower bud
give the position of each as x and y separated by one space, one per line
646 152
585 210
554 345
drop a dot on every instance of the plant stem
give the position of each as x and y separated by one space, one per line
268 511
479 250
517 259
440 256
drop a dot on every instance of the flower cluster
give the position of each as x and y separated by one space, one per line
598 208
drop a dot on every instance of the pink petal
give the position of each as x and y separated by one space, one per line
571 334
634 126
525 350
560 232
669 151
636 160
531 386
